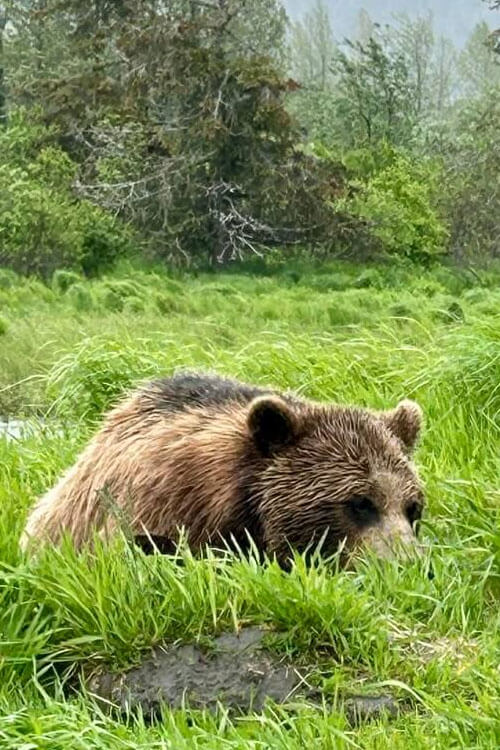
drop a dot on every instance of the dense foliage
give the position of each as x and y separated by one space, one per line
177 128
175 118
43 226
403 90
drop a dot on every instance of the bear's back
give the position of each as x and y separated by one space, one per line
191 390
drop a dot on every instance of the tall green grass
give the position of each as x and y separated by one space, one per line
336 333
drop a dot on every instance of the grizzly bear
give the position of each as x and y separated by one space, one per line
228 462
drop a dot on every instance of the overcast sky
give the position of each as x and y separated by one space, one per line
455 18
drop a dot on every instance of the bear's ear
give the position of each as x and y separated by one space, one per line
272 424
405 422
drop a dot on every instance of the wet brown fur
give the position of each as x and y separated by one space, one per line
225 460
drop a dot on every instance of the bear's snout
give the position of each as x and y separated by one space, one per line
392 537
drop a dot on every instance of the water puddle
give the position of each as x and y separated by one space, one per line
19 429
13 429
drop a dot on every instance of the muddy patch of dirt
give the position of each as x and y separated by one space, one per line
361 708
234 670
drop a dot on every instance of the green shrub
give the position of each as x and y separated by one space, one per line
8 278
167 303
38 232
171 285
111 300
292 277
43 227
134 305
123 289
402 310
455 281
22 141
39 289
53 168
80 297
63 280
370 277
3 326
113 294
397 200
104 240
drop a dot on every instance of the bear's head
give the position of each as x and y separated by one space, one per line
340 475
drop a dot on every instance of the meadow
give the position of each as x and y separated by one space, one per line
338 332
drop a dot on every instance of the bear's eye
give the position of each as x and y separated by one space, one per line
363 510
413 512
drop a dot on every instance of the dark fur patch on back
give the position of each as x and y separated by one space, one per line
191 390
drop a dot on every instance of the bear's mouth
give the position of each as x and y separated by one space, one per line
149 544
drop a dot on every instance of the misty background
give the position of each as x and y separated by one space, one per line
453 18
